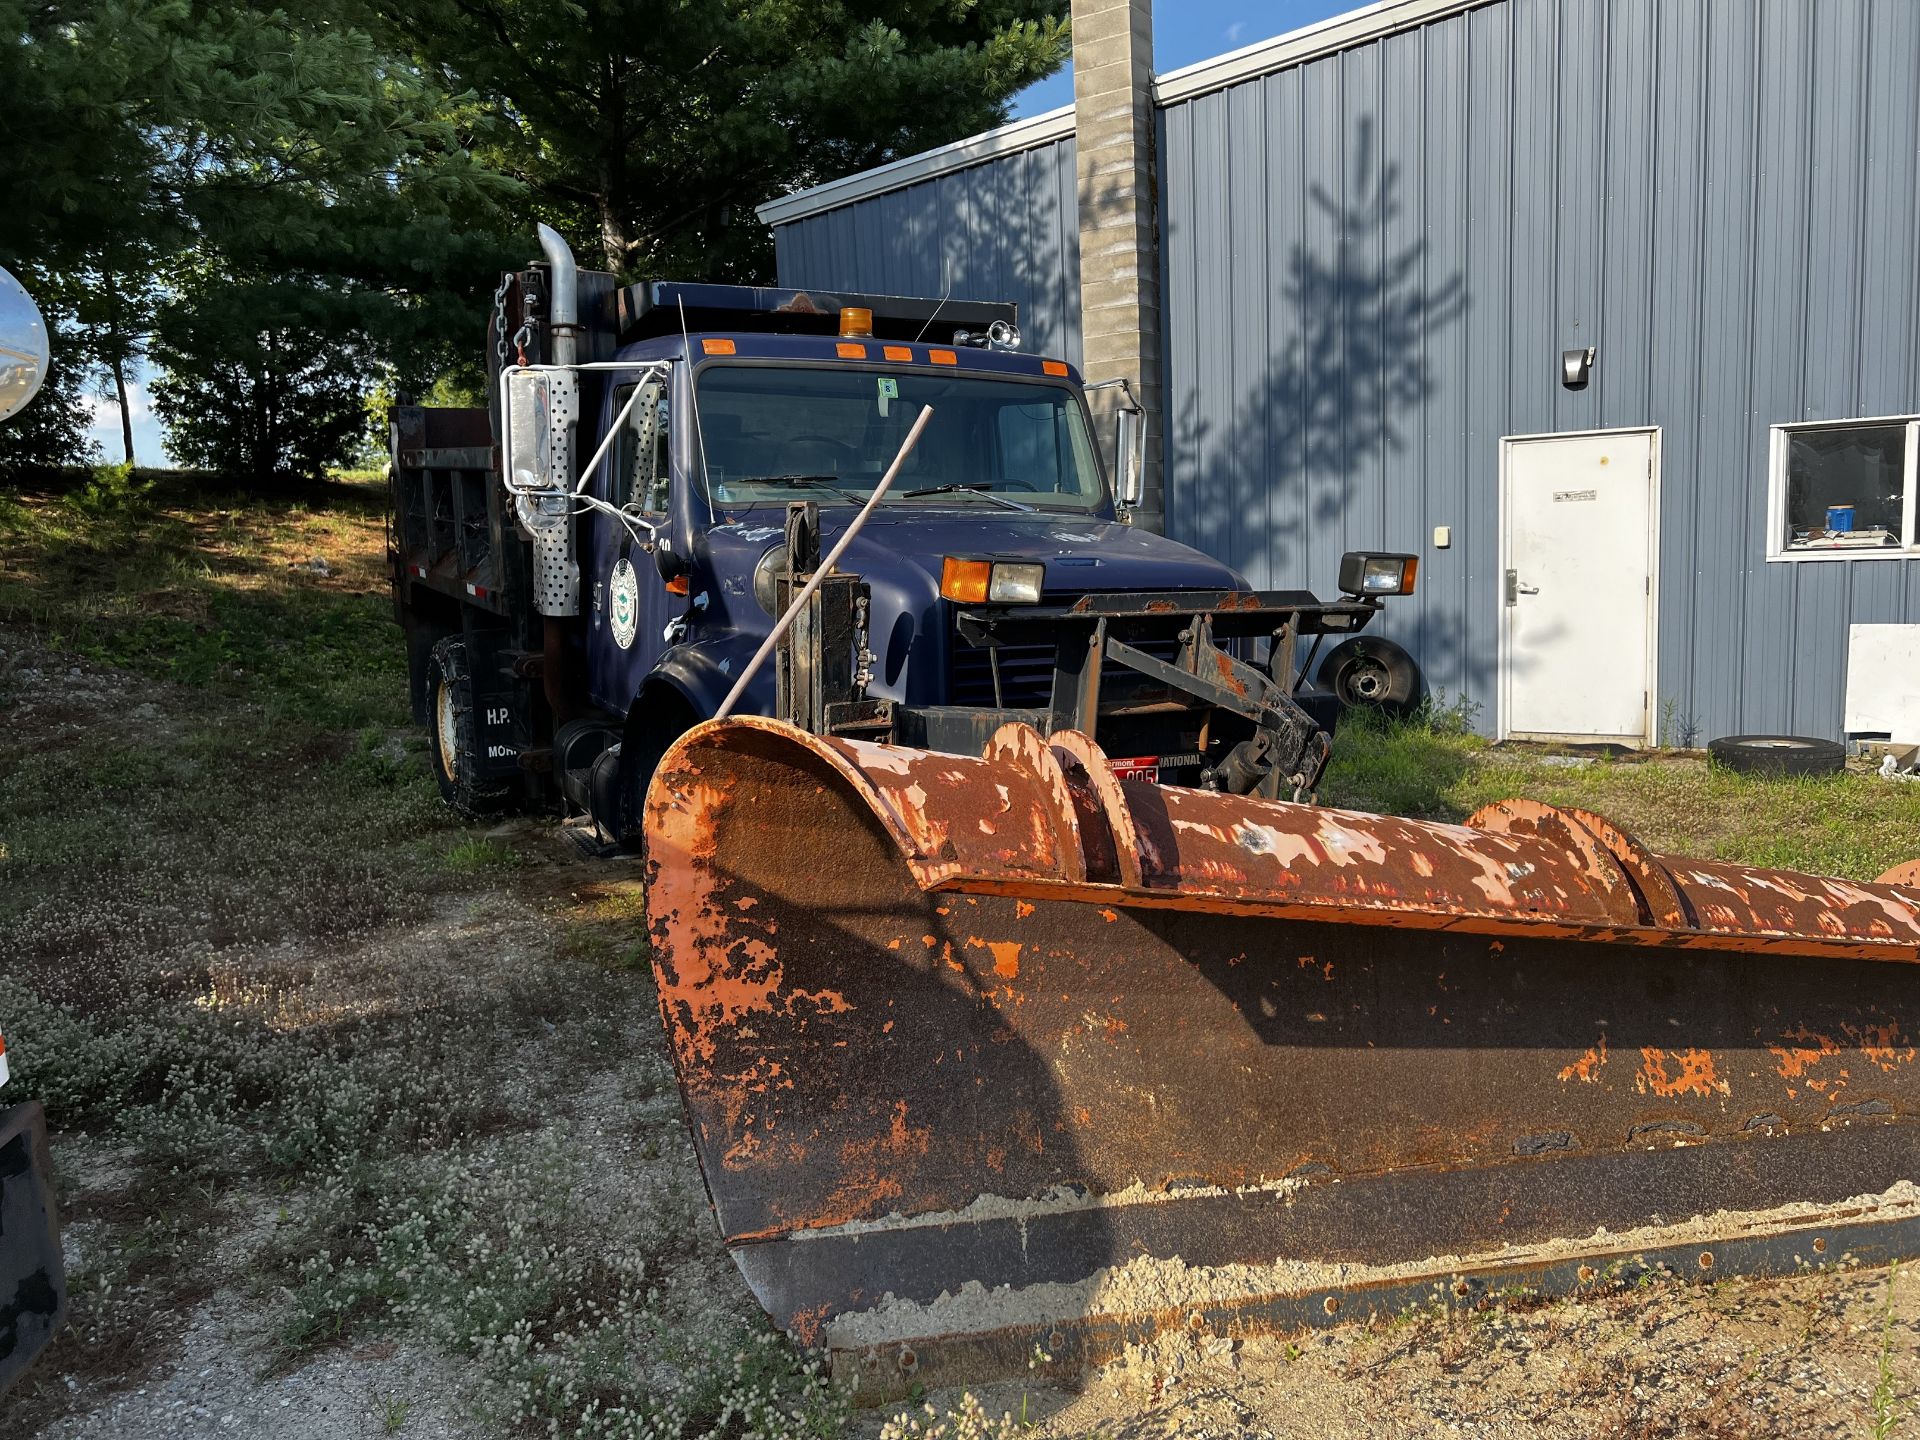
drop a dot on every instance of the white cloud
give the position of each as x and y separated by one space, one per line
1235 31
103 414
105 409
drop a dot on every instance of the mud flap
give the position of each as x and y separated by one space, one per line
984 1056
33 1280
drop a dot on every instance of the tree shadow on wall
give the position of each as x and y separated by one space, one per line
1278 471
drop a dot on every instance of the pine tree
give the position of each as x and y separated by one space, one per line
654 127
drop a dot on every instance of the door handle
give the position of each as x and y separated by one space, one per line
1515 589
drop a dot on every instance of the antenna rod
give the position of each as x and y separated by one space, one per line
693 397
825 569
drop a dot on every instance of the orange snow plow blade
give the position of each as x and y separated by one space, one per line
984 1055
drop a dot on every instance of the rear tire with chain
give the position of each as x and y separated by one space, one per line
453 736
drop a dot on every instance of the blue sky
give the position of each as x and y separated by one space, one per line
146 429
1186 32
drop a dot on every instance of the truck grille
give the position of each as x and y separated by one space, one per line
1026 673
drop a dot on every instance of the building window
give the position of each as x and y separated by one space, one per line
1843 489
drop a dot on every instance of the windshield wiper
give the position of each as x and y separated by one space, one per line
978 488
804 482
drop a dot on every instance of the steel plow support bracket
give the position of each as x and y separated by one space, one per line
983 1053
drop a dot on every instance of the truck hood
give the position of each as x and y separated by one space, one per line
1081 553
899 553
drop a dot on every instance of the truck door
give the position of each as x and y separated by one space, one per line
631 607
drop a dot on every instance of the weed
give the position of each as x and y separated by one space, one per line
393 1414
969 1422
1888 1407
1678 729
476 856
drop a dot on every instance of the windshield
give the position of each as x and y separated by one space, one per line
770 429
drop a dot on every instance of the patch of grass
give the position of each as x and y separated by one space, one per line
269 598
970 1421
475 855
251 958
203 1094
393 1414
1854 825
1407 767
606 926
478 1254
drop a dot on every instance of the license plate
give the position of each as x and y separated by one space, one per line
1141 767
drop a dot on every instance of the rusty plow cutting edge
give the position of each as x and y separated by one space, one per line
986 1054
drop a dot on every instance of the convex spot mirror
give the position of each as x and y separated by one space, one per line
23 347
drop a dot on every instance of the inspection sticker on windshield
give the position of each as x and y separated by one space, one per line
889 390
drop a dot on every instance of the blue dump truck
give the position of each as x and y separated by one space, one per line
587 567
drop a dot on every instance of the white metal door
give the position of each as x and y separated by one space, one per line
1579 515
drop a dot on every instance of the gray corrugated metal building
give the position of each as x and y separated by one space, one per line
1380 237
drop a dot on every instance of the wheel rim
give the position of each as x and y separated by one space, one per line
446 728
1366 681
1781 744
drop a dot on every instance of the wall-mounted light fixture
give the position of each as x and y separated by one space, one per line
1576 368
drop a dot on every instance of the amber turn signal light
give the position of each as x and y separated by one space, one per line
965 580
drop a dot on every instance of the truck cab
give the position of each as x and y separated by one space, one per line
590 567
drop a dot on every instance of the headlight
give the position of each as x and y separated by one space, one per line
766 578
991 582
1364 574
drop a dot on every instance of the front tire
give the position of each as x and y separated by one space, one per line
450 728
660 717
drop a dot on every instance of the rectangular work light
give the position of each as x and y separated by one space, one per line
1362 573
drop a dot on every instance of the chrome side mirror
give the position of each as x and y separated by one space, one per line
1129 451
23 347
540 405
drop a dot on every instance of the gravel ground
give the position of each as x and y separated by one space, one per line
576 1048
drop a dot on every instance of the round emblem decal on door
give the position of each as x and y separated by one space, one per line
623 603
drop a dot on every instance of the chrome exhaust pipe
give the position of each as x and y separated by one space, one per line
563 307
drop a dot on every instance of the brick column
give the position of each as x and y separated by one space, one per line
1119 220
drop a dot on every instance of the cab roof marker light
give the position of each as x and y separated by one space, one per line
897 352
1053 367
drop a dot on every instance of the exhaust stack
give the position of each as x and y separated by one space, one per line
563 304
